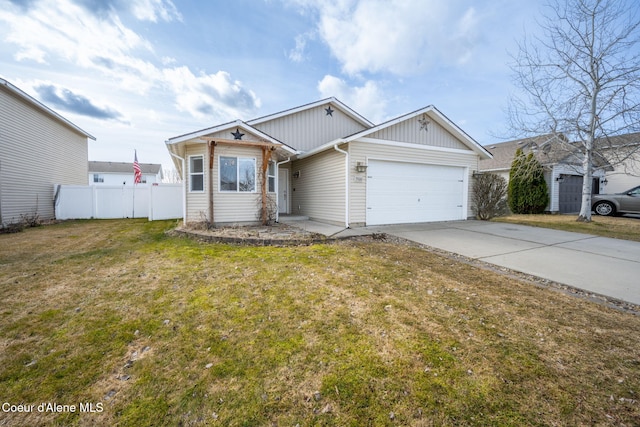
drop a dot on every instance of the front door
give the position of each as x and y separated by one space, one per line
283 191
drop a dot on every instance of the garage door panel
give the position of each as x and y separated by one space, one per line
411 192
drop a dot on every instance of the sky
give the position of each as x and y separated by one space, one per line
134 73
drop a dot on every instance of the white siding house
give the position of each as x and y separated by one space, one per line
624 154
38 149
562 168
333 165
121 173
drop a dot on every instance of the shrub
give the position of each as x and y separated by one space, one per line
489 196
527 193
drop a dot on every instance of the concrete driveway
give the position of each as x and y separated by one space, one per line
600 265
605 266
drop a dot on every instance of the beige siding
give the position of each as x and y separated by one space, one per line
362 152
197 202
36 152
319 191
310 128
228 207
236 207
625 176
409 131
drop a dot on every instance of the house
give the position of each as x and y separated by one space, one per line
623 152
325 161
38 149
121 173
562 165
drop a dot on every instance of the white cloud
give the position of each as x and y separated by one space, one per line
297 54
55 31
402 37
210 95
152 10
368 100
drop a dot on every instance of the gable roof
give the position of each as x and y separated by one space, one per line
339 105
239 124
122 167
439 118
174 144
549 149
431 111
42 108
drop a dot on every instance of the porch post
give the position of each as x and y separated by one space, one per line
212 145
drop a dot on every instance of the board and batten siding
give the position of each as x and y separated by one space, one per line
319 191
36 153
310 128
361 151
409 131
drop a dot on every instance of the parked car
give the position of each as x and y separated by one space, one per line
619 203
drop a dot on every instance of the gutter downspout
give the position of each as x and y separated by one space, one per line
346 185
278 187
184 190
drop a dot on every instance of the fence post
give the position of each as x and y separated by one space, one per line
150 213
94 202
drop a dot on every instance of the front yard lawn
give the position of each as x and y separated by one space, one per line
120 324
605 226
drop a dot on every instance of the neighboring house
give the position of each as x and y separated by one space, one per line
325 161
562 168
119 173
38 149
624 155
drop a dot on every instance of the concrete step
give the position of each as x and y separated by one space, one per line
292 218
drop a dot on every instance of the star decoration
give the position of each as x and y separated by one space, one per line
329 111
424 123
237 134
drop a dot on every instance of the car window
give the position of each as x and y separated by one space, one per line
635 192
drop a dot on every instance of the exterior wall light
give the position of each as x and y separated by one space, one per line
361 167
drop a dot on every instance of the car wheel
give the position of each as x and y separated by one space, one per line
605 208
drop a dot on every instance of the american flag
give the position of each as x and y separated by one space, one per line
137 173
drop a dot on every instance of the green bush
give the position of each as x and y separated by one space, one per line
527 193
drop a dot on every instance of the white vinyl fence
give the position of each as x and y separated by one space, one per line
155 202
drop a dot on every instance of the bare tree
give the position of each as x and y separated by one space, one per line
171 176
581 78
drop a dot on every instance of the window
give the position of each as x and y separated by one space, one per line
98 178
271 177
196 173
237 174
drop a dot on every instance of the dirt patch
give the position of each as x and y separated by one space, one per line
272 235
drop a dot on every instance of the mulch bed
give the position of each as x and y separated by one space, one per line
272 235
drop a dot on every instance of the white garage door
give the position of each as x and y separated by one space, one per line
400 193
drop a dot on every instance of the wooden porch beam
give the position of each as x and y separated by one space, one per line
240 142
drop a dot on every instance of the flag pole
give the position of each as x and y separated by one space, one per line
137 177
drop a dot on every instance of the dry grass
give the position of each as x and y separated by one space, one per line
616 227
168 331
